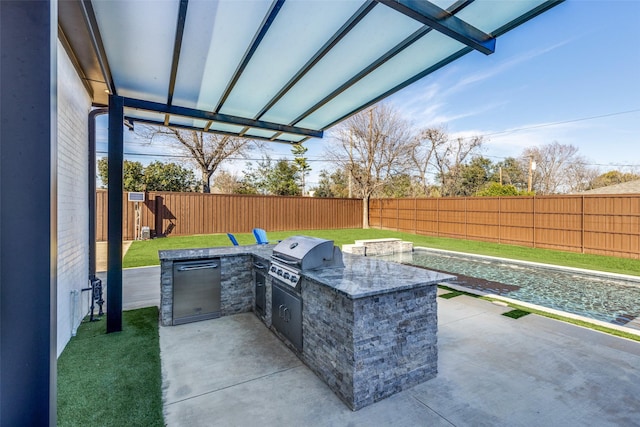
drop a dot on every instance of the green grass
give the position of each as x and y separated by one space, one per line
112 379
452 294
143 253
516 314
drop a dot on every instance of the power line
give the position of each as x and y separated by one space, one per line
582 119
185 156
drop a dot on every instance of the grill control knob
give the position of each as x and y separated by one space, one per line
286 275
294 279
279 272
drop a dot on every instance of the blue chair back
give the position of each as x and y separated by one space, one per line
233 239
261 236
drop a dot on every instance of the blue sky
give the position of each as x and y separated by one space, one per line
571 75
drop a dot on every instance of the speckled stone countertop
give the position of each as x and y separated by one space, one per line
366 276
263 251
360 277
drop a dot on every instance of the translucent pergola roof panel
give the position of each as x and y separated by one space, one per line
485 16
272 66
260 133
227 128
378 32
281 70
216 37
131 33
400 68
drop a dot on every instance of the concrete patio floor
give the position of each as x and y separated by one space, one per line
493 370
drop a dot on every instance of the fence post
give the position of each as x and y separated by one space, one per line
582 226
415 215
499 219
533 207
438 217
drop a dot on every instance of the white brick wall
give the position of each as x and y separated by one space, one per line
74 105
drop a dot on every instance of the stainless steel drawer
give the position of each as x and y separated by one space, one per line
196 290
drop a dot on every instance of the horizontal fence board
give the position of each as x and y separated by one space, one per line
595 224
179 214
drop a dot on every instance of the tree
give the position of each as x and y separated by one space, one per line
227 183
301 163
156 176
495 189
434 150
283 179
280 179
205 150
513 172
422 152
559 168
449 159
474 176
160 176
372 145
611 178
132 176
332 184
401 185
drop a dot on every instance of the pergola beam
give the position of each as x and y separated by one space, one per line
217 117
444 22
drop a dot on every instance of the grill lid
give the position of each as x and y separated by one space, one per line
307 253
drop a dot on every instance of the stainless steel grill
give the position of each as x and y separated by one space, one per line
300 253
291 257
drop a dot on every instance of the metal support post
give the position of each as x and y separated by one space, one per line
114 232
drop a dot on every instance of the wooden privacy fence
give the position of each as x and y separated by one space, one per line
176 214
594 224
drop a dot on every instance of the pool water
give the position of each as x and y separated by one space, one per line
598 297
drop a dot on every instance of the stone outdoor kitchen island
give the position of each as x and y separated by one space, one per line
369 329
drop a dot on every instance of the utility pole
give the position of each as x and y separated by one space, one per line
532 167
350 171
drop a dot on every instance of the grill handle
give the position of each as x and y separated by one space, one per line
259 266
286 261
197 267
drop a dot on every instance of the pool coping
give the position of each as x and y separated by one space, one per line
542 265
568 315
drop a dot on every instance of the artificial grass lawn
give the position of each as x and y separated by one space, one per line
112 379
143 253
516 314
450 295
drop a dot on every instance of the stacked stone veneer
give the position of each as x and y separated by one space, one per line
369 348
237 290
372 247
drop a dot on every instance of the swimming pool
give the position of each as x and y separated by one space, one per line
610 299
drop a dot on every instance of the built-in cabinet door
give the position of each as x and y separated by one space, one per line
286 315
260 293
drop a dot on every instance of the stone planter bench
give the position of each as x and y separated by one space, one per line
371 247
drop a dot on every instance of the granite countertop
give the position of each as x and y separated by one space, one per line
263 251
365 276
360 277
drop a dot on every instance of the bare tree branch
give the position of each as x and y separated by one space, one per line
205 150
372 146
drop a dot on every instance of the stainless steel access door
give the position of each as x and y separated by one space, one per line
196 290
286 314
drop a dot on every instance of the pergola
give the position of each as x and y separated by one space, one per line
281 71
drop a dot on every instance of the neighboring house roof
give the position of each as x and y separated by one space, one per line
629 187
